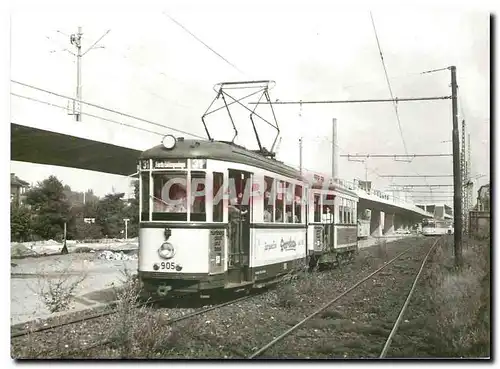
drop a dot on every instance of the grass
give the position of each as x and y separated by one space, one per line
459 299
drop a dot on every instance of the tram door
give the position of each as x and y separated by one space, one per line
328 216
239 226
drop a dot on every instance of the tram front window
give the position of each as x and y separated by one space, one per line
428 224
170 198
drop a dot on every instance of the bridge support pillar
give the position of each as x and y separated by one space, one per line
377 223
408 223
400 222
389 223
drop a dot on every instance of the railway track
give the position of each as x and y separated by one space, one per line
301 324
168 322
238 353
78 349
85 317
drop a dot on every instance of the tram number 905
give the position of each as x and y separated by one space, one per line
169 265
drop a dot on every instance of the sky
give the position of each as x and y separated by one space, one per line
151 68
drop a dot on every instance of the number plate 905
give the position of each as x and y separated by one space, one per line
167 265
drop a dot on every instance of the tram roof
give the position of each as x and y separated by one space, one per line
220 150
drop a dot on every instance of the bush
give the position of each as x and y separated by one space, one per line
139 332
56 290
460 300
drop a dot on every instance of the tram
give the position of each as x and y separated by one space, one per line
437 227
215 215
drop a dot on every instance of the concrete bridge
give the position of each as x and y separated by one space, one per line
388 213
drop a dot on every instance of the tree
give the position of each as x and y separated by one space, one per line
110 214
81 229
20 223
50 208
132 212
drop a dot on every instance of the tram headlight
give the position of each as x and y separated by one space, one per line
168 142
166 251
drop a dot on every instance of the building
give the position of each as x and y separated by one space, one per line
440 211
18 189
483 198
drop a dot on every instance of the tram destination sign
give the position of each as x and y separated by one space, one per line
169 164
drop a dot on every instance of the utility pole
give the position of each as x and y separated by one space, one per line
457 182
126 220
64 249
463 169
300 155
335 163
76 40
470 184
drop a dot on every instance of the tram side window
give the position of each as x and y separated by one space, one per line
348 212
145 196
170 196
298 204
327 216
289 197
268 203
317 209
279 202
218 205
341 211
198 211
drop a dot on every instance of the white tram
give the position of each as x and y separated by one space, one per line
332 224
214 215
437 227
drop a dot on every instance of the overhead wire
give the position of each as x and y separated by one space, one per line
203 43
393 78
149 69
107 109
373 171
317 138
389 84
87 114
390 90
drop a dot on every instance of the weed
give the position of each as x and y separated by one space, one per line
460 299
127 295
56 290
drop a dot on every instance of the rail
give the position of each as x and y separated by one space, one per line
172 321
299 324
97 315
386 347
109 340
407 301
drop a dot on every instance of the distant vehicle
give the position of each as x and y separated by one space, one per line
436 227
